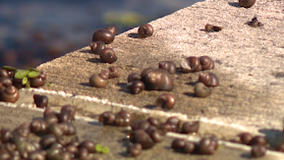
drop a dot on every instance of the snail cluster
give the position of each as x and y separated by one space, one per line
100 38
101 80
207 145
121 119
58 139
12 79
258 143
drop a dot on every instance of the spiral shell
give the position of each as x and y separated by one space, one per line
209 79
165 101
103 35
10 94
190 64
157 79
169 66
206 63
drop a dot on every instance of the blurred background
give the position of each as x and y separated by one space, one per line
35 31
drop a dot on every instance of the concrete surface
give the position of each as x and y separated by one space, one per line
248 62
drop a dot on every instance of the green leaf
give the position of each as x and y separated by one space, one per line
50 84
9 68
33 74
33 69
24 80
105 150
20 74
28 85
99 148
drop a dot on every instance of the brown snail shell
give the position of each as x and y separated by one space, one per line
133 77
10 94
97 46
99 80
169 66
206 62
111 29
190 64
136 87
146 30
246 3
103 35
200 90
107 55
157 79
165 101
212 28
209 79
114 73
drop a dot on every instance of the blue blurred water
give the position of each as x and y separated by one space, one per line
35 31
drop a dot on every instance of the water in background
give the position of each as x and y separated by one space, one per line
36 31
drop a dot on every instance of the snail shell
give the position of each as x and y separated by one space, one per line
146 30
165 101
206 63
99 80
200 90
97 46
169 66
136 87
107 55
190 64
10 94
133 77
157 79
209 79
246 3
103 35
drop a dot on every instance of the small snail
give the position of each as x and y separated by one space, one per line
190 64
208 79
246 3
254 23
135 149
39 80
157 79
10 94
123 119
206 63
114 73
38 126
207 145
142 137
41 101
174 124
5 81
190 127
146 30
165 101
200 90
103 35
133 77
212 28
136 87
97 46
99 80
107 55
169 66
107 118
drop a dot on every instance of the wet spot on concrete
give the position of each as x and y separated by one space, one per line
279 75
133 35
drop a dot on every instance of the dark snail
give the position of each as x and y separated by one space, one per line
133 77
190 127
97 46
157 79
107 55
169 66
208 79
212 28
142 137
246 3
206 63
111 29
200 90
258 150
207 145
41 101
146 30
254 23
107 118
136 87
165 101
10 94
114 73
190 64
174 123
103 35
135 149
39 80
99 80
123 119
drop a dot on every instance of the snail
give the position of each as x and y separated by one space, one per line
208 79
254 22
107 55
133 77
114 73
38 126
212 28
200 90
246 3
70 110
136 87
97 46
107 118
206 63
123 118
145 30
135 149
103 35
165 101
207 145
99 80
190 127
190 64
41 101
157 79
142 137
169 66
10 94
39 80
174 124
89 145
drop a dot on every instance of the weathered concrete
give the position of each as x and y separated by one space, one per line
247 61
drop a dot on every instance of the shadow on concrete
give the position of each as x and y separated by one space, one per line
151 106
234 4
190 94
274 137
85 84
123 87
94 60
246 156
87 51
133 35
191 83
95 123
